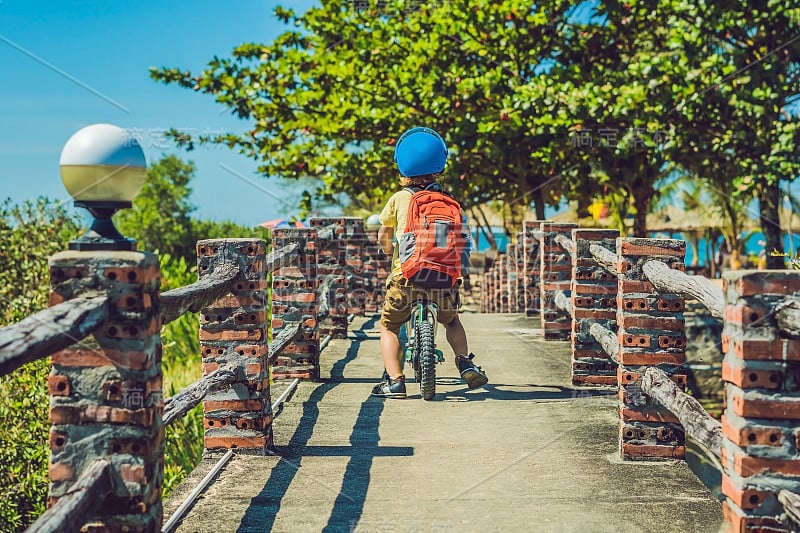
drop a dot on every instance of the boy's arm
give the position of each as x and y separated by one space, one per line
385 236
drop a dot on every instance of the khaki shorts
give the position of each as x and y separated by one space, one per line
400 294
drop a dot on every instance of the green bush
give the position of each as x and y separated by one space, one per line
29 235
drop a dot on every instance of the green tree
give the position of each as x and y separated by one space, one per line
752 140
160 219
329 98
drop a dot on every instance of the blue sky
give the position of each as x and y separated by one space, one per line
70 64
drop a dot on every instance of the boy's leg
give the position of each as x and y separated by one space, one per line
393 316
457 338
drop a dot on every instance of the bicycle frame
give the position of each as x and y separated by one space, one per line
421 310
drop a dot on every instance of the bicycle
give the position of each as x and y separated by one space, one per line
421 352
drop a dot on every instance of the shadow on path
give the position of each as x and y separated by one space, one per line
348 507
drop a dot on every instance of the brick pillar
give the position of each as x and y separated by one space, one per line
520 269
501 281
511 269
294 298
556 275
532 266
233 332
105 396
594 300
331 269
650 333
490 296
376 269
761 445
358 289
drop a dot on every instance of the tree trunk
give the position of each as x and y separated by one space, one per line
770 201
538 204
489 233
641 201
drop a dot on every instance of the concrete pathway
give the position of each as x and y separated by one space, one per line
526 453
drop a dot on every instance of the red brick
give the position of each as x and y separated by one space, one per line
61 472
233 405
631 415
632 286
251 285
133 474
641 247
747 378
752 434
230 442
593 314
58 385
578 379
594 234
209 368
779 282
629 321
252 350
744 315
140 275
736 521
675 305
254 334
651 451
631 340
745 465
244 299
90 357
590 354
625 303
594 288
756 349
745 498
57 441
781 407
651 358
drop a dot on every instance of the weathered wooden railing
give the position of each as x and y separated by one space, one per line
48 331
107 412
630 303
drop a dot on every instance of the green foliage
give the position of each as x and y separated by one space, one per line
161 221
183 447
702 87
29 234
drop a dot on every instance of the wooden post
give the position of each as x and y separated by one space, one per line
105 396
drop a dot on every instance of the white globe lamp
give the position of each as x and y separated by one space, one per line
103 168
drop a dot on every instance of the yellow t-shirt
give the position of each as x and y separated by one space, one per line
394 215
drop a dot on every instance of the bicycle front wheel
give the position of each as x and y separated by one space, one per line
427 360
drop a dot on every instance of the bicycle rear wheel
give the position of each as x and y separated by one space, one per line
427 360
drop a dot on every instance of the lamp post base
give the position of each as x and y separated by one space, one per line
102 236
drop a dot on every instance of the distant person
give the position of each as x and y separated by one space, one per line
420 154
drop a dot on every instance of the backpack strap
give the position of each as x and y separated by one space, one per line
433 186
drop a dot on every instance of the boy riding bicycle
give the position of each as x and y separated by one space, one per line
420 155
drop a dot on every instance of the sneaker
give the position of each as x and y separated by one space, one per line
391 388
472 375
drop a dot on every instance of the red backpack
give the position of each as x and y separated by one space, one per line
431 248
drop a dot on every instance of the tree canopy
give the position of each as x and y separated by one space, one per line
537 102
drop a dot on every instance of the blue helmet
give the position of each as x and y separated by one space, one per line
420 151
